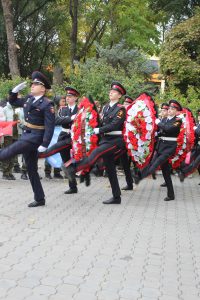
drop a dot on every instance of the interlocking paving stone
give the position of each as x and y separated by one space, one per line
77 248
19 292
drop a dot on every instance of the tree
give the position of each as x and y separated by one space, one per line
12 47
175 10
171 12
180 54
35 35
107 22
73 11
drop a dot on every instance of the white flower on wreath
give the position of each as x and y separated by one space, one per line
146 113
149 127
140 143
148 120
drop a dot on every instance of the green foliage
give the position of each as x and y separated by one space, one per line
7 84
133 21
107 23
95 76
175 10
35 34
120 55
189 100
180 55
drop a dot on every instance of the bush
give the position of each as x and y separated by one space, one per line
7 84
190 100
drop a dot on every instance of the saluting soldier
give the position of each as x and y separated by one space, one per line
113 117
37 133
186 169
169 129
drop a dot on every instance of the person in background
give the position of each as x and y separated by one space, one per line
8 165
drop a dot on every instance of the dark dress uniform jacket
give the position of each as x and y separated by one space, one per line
112 120
168 128
64 119
40 113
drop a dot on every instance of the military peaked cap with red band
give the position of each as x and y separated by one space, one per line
39 78
72 91
165 106
175 104
118 87
128 99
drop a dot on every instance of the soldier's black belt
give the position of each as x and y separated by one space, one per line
32 126
167 138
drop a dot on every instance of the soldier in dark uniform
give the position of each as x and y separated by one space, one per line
169 129
38 130
186 169
125 159
65 117
113 117
163 115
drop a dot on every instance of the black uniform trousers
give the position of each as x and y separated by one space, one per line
125 160
165 150
63 146
106 150
195 161
65 154
30 154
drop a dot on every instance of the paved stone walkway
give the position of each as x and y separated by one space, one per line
77 248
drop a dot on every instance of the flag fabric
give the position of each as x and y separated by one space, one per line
6 128
55 160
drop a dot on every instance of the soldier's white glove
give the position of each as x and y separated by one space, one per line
195 127
41 149
157 121
73 117
19 87
96 130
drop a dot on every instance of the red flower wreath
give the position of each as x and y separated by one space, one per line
185 139
90 122
139 130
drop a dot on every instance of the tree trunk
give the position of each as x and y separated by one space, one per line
73 10
58 75
12 49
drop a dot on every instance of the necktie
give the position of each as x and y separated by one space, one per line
70 110
108 108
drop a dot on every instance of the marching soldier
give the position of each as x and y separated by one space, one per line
185 169
65 117
169 130
113 117
125 160
38 130
163 115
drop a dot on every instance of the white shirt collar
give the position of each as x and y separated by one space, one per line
112 103
72 107
36 98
